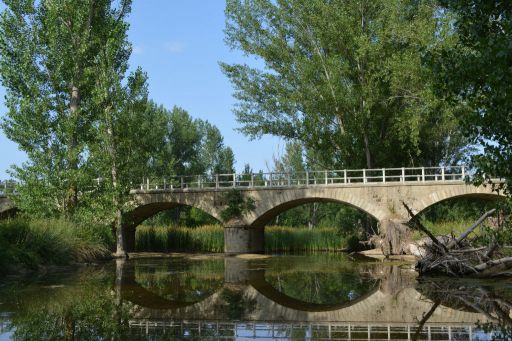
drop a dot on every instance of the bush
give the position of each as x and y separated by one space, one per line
30 243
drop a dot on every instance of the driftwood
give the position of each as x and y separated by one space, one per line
459 256
489 301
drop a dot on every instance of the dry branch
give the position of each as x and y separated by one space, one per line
460 256
470 229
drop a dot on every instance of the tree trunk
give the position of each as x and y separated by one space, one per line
116 202
369 161
72 154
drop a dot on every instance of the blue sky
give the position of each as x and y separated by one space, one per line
179 43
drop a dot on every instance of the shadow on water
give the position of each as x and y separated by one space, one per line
282 297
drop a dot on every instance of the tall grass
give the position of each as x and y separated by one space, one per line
207 238
210 238
33 242
443 228
293 239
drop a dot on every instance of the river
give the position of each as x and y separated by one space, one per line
280 297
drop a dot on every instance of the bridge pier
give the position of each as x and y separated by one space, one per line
129 239
243 239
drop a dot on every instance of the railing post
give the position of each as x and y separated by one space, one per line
199 181
289 180
442 173
216 180
234 179
307 178
463 172
383 175
141 185
270 185
403 174
147 186
165 184
345 176
326 181
423 174
364 176
252 179
182 182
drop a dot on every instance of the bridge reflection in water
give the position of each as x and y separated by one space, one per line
247 306
314 331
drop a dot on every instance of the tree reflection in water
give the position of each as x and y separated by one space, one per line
89 305
321 280
491 300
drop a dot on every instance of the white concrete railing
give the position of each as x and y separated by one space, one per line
308 178
7 186
321 330
292 179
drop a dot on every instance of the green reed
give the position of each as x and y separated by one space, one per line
210 238
293 239
29 243
207 238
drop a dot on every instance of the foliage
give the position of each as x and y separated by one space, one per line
476 72
293 239
51 54
237 305
30 243
345 78
210 238
236 205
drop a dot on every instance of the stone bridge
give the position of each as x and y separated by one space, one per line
379 194
7 209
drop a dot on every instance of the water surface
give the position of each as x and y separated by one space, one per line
292 297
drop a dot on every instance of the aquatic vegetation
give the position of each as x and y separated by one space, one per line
207 238
210 238
30 243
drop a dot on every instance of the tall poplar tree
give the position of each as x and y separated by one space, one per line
50 52
345 78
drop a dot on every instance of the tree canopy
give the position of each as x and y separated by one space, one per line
345 78
476 71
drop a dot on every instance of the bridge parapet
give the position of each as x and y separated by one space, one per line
306 179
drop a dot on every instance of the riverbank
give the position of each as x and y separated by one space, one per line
37 244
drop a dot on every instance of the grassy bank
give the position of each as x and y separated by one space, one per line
210 238
443 228
31 243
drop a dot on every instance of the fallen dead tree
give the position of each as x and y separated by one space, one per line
463 255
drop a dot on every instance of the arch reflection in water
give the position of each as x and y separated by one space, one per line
220 297
323 283
389 308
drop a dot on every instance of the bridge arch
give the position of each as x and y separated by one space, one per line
143 212
264 218
269 204
460 192
148 205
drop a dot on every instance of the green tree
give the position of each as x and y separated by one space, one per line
345 78
214 156
477 71
49 54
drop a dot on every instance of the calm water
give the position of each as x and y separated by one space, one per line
307 297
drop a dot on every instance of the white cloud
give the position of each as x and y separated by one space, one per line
175 47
